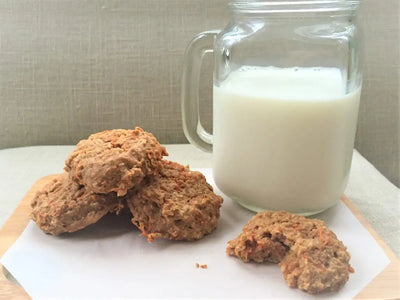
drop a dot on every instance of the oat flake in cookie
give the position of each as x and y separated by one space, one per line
114 160
64 206
309 254
176 204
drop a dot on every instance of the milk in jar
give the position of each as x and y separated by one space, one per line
283 137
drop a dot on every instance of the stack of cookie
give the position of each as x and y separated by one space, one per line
119 167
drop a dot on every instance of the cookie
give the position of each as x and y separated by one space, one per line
316 266
176 204
64 206
114 160
309 254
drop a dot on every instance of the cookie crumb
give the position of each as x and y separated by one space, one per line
201 266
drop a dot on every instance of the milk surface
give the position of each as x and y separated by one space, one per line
283 137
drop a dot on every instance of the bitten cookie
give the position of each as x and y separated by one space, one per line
176 204
114 160
64 206
309 254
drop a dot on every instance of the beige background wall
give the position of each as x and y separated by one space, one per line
70 68
379 126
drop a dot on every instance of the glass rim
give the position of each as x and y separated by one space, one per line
281 6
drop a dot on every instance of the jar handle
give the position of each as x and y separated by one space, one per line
192 127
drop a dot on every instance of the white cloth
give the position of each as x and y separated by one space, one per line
377 199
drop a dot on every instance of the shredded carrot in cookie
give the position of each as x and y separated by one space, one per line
324 239
321 233
259 247
306 257
144 233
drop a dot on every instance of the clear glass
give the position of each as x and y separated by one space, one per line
287 82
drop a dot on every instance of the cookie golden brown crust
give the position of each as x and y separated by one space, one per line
64 206
114 160
176 204
309 254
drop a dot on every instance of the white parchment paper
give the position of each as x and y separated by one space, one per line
110 260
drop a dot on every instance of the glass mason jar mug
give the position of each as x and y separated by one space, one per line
287 82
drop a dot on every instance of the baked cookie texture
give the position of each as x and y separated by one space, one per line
118 168
114 160
316 268
309 254
176 204
65 206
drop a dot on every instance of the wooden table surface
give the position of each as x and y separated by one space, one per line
385 286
